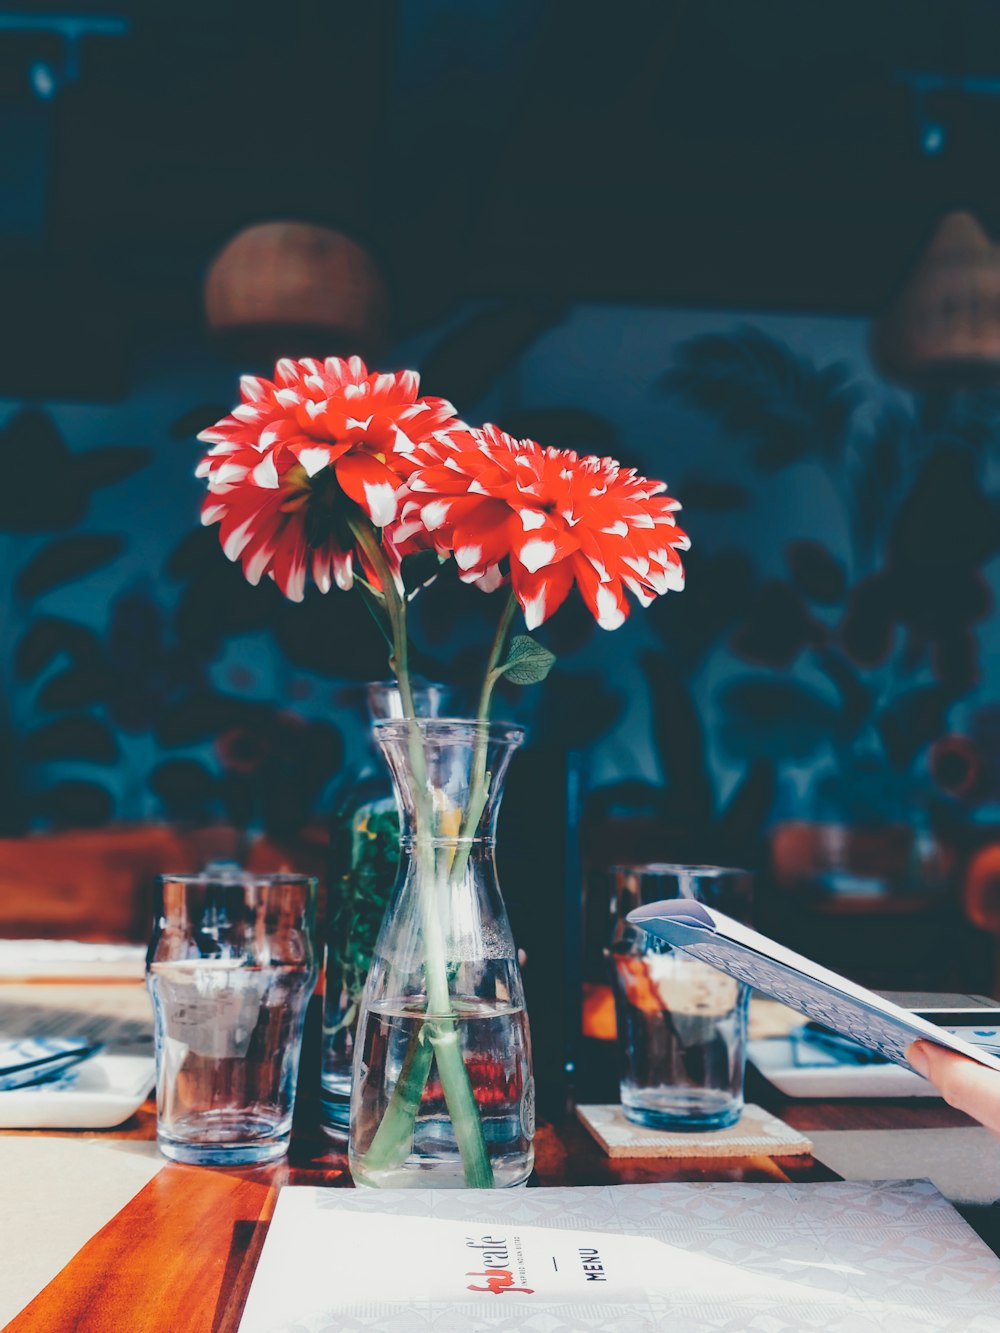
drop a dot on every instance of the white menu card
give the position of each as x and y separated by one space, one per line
890 1256
823 996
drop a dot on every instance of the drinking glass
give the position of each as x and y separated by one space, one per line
681 1024
230 968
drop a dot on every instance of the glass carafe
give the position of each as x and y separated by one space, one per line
443 1093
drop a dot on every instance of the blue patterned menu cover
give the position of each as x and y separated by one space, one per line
843 1257
822 995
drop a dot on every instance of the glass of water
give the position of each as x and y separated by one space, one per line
682 1025
230 968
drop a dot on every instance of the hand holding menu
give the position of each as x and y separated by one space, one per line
822 995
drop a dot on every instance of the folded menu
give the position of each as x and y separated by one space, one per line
822 995
840 1256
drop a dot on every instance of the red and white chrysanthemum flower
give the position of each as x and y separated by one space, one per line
548 517
289 462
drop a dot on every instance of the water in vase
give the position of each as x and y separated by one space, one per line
495 1050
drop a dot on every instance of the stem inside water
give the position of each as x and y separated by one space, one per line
393 1140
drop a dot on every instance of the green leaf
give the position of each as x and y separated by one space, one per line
527 662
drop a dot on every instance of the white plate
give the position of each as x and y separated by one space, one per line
773 1057
107 1090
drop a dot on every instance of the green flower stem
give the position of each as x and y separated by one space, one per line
439 1033
493 661
462 1106
479 788
375 603
393 1139
395 606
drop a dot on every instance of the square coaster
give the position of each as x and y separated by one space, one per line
756 1132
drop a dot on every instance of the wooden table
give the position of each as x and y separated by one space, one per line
179 1258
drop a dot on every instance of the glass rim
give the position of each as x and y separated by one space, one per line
399 727
665 868
416 683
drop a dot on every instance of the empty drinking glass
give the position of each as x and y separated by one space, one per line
230 969
681 1023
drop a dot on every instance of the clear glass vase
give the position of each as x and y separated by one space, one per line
443 1093
364 858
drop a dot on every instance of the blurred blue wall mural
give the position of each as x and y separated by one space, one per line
838 620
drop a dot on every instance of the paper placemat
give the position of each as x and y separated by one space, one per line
71 960
57 1193
756 1132
964 1164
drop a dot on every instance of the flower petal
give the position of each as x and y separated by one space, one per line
265 474
254 389
289 566
313 457
370 484
535 555
343 571
435 514
540 593
321 568
606 601
314 415
491 580
533 518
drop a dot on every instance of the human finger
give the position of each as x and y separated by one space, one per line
964 1084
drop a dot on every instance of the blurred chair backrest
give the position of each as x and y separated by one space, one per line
981 893
802 851
96 884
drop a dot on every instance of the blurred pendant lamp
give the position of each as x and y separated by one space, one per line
295 289
942 330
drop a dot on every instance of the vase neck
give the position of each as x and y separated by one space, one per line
448 776
383 699
412 842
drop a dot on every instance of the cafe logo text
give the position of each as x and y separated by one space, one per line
497 1272
499 1265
